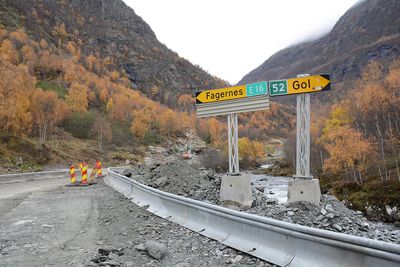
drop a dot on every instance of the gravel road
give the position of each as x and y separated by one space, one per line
13 187
96 226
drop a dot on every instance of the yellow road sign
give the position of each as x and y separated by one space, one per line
222 94
308 84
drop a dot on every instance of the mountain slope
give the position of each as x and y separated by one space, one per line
111 28
370 30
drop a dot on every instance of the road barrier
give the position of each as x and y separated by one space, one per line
83 166
99 169
72 174
278 242
84 174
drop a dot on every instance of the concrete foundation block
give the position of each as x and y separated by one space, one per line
304 189
235 191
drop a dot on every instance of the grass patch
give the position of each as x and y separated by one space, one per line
51 86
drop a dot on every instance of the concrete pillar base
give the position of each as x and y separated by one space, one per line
304 189
235 191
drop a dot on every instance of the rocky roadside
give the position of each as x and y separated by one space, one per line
131 236
179 177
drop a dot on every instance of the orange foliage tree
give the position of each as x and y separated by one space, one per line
251 151
186 103
16 88
8 52
46 110
19 36
77 98
169 123
119 108
349 151
140 123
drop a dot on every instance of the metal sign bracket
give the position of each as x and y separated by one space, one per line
233 145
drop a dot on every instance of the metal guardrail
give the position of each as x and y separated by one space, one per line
281 243
31 175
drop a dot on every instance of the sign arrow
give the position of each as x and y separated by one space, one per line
308 84
223 94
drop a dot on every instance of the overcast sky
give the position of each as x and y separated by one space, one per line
229 38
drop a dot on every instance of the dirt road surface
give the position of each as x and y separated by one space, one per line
44 223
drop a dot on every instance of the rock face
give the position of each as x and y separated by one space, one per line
368 31
111 28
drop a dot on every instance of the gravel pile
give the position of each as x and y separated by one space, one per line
180 178
331 215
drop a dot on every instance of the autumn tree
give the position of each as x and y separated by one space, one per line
217 131
169 123
8 52
46 111
77 98
186 103
71 48
60 32
104 95
43 44
102 130
16 87
114 75
91 62
154 91
19 36
119 108
28 54
338 117
140 123
29 57
3 33
349 151
251 151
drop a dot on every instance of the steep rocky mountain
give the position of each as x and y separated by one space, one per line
111 28
370 30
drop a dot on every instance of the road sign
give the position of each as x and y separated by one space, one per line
300 85
223 94
254 89
230 93
278 87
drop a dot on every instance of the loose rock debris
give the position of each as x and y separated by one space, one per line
131 236
178 177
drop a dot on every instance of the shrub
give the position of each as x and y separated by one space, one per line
121 134
79 124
